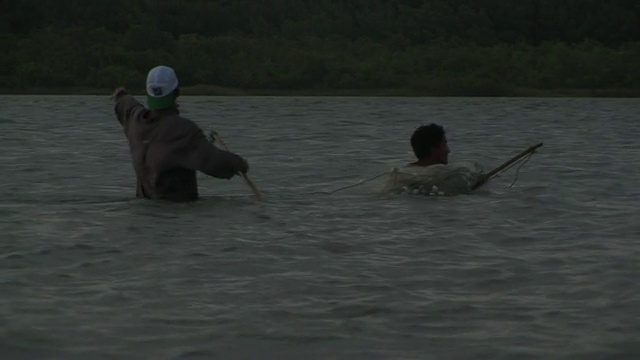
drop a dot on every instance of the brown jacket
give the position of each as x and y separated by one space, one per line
167 150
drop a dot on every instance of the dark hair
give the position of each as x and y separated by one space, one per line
425 138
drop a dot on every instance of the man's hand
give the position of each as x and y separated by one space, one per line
118 92
241 165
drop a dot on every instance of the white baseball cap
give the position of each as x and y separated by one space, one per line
161 83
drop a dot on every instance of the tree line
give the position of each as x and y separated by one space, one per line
439 47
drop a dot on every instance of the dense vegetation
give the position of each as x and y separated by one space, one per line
442 47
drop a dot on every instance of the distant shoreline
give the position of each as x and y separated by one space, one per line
211 90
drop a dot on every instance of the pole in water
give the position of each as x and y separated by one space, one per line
215 137
495 171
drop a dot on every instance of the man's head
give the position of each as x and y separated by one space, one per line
429 144
162 88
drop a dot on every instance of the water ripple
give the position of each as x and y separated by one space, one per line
544 269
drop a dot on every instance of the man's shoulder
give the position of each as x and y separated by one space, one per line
182 126
187 123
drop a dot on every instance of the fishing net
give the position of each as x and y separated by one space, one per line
432 180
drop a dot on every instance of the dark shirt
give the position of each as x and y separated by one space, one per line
167 150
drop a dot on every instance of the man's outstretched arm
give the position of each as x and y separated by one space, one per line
126 106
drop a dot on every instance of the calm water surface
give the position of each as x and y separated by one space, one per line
546 269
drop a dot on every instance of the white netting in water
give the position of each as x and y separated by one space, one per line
432 180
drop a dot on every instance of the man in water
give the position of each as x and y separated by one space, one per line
166 148
429 144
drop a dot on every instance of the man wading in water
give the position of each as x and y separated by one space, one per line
429 144
166 148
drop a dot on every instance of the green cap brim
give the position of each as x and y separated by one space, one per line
160 103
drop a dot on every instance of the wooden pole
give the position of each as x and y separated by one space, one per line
495 171
217 138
